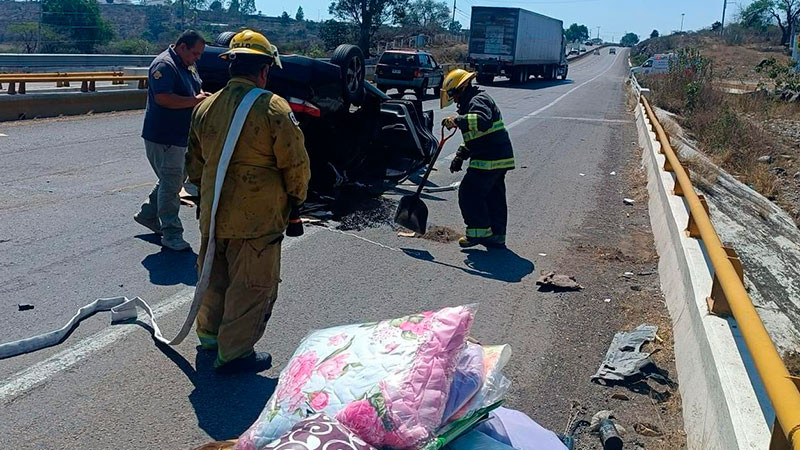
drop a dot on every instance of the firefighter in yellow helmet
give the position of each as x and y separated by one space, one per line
487 146
268 175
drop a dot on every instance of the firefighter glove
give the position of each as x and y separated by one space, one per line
295 227
449 122
455 165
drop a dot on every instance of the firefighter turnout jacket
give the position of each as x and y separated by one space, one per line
486 140
269 169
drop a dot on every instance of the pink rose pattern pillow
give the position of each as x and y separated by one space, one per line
317 432
386 381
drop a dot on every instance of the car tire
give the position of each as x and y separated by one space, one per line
351 61
224 39
485 79
420 92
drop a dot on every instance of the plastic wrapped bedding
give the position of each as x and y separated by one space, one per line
495 384
386 381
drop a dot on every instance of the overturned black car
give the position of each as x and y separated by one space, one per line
354 132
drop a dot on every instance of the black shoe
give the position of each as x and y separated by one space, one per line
254 362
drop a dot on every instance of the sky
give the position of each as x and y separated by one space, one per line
614 17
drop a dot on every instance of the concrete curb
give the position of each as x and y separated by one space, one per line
720 407
29 106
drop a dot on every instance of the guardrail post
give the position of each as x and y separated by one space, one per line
691 228
84 86
59 84
12 89
91 86
717 302
778 440
678 189
142 84
66 84
21 89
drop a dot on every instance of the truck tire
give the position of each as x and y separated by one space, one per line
224 39
485 79
516 75
351 61
564 74
549 73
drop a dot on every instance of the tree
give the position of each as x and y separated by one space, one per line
785 13
425 14
629 40
716 26
576 32
654 34
27 33
247 6
454 27
234 7
299 16
285 19
335 33
756 14
368 15
216 5
78 19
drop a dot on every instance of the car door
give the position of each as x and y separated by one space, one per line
436 72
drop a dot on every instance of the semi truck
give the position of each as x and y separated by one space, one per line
516 43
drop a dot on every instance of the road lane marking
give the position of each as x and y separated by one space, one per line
3 135
585 119
561 97
26 379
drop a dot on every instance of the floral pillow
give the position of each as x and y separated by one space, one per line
386 381
317 432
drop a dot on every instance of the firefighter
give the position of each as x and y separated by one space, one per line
487 146
268 175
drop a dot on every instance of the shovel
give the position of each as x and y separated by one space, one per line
412 212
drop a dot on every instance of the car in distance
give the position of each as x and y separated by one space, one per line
408 69
612 51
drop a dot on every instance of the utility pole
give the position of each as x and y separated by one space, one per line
39 27
598 32
682 14
453 23
724 7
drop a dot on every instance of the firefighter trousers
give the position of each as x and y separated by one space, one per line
482 199
242 290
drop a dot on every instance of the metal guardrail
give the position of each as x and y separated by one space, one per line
17 82
729 297
48 62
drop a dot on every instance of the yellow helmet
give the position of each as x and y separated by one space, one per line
249 42
455 81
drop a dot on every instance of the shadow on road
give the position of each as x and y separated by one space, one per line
495 264
217 399
531 85
168 267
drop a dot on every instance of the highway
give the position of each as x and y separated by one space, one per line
70 189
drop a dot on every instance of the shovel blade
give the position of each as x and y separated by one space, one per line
412 214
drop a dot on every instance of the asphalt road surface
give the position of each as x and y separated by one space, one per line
67 196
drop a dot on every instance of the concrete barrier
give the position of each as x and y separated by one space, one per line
720 406
29 106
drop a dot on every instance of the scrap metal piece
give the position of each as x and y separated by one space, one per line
624 358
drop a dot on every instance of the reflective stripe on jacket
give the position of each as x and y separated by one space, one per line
485 135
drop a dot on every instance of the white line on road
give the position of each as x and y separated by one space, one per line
3 135
585 119
561 97
40 372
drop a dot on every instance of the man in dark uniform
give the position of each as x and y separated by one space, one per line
487 146
174 88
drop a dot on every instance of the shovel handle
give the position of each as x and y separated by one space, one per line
442 140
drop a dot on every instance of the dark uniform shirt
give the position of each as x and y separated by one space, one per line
486 140
168 75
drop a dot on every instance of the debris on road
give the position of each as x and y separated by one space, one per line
542 254
613 173
551 281
609 435
607 300
647 429
24 306
765 159
407 234
449 187
620 396
628 201
582 174
624 358
441 234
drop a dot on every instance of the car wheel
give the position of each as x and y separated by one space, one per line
564 75
485 79
420 92
224 39
351 61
